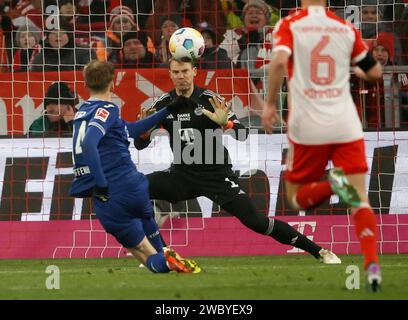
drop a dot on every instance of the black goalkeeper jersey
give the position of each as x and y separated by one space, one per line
196 141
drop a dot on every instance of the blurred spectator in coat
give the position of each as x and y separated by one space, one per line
59 111
192 12
134 53
6 42
121 21
233 11
369 97
213 56
60 53
26 47
243 45
142 8
169 24
91 15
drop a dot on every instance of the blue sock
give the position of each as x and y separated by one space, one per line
152 233
157 263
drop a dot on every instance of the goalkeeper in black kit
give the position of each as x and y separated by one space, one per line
202 166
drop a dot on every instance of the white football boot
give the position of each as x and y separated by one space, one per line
328 257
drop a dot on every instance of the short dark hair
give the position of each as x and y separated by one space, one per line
98 75
183 60
59 93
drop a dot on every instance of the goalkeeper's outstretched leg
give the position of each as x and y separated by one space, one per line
242 208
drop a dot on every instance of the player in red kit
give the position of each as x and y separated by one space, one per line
317 49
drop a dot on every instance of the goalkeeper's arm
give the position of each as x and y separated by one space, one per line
142 126
140 130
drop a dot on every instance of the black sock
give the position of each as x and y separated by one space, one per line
286 234
242 208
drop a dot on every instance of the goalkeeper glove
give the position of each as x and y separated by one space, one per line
101 193
220 114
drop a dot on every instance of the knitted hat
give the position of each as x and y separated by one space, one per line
267 10
139 35
386 40
121 11
59 93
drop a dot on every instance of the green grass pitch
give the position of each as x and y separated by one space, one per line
249 278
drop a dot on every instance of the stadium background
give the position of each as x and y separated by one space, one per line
39 220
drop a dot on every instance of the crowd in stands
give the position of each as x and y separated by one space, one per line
61 35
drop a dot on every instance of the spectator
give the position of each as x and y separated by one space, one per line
233 11
121 21
372 111
134 53
213 56
80 23
401 30
59 52
403 99
67 11
92 14
383 48
5 40
371 16
26 47
143 9
193 13
87 17
243 44
383 51
168 26
59 111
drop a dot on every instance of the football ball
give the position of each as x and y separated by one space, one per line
186 43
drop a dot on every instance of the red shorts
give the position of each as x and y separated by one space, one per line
307 163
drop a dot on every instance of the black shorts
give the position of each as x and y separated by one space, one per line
175 184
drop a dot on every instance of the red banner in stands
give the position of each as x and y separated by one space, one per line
22 94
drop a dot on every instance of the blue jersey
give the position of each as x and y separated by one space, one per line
113 147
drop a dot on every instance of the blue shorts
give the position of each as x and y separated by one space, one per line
128 204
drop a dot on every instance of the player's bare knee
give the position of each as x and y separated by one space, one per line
293 202
291 192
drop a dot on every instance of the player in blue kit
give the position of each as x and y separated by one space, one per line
104 171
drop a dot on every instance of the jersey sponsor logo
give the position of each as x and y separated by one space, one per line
79 114
187 135
102 114
170 116
183 117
